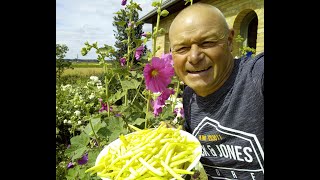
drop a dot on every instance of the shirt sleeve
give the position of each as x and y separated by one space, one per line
258 72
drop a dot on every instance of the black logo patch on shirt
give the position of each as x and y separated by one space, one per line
229 153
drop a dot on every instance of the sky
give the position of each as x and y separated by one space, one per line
78 21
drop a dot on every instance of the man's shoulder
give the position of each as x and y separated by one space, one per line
258 61
253 63
259 56
253 59
187 91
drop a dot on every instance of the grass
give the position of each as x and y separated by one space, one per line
85 65
83 71
80 75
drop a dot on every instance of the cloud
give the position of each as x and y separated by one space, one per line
78 21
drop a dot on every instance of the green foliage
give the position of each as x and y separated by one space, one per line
121 22
243 50
61 64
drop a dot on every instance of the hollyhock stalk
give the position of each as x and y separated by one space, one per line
129 64
131 29
90 122
175 95
106 86
154 41
154 38
147 109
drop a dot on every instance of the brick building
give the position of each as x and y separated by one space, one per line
246 17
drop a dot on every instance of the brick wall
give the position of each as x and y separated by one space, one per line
234 11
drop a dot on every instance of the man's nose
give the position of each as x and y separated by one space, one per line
195 55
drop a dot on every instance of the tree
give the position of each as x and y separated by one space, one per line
121 22
61 64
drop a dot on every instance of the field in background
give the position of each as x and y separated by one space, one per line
85 65
83 71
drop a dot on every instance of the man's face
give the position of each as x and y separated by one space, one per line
201 53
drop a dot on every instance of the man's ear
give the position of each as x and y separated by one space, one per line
230 39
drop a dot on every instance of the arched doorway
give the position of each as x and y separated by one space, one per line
248 29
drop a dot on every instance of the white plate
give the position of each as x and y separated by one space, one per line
116 143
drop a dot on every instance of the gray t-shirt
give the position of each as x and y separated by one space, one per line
230 123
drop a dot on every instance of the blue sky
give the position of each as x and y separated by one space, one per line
78 21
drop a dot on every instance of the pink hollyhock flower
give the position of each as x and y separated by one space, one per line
123 61
70 165
165 95
124 2
138 52
179 112
167 58
159 103
157 75
104 106
157 108
83 160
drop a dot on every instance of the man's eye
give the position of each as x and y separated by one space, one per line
182 50
208 44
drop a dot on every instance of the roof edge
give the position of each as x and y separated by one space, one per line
148 17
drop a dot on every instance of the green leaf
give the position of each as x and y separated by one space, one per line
138 42
78 146
118 95
133 73
149 115
167 113
73 173
78 153
145 40
92 156
139 121
103 132
95 45
118 13
136 6
121 23
155 3
164 13
162 31
84 51
138 23
80 140
103 50
96 123
113 135
115 128
132 84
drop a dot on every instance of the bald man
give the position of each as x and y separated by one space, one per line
223 100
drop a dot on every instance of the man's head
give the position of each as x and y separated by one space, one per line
201 44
